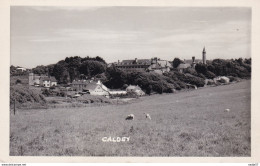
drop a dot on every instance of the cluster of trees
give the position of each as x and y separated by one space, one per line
219 67
149 82
50 92
15 72
71 68
22 94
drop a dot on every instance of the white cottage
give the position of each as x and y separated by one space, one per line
97 88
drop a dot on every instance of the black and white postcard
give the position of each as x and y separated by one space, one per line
131 81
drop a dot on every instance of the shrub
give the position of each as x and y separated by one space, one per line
61 94
233 79
22 95
210 75
52 88
46 92
210 82
18 81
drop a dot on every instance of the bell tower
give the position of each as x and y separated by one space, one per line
204 56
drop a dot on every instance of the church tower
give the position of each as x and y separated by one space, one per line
204 56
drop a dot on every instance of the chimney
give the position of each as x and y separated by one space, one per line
204 56
118 62
193 59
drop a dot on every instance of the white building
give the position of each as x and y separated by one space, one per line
97 88
22 69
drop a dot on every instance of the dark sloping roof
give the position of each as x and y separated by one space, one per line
148 61
80 82
53 79
183 66
138 61
46 78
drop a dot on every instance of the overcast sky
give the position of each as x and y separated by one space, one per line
45 35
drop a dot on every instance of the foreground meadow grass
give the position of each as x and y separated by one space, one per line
184 124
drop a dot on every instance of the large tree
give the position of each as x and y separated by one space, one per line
176 62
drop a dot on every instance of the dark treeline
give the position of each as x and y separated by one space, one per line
73 68
65 71
219 67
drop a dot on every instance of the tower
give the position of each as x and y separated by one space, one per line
31 78
193 62
204 56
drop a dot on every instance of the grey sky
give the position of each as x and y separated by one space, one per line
45 35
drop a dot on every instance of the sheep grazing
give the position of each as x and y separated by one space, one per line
227 110
130 117
147 116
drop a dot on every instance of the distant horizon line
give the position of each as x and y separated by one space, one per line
120 60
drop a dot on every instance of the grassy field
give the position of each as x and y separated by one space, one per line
183 124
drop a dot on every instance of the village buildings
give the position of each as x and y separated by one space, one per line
191 63
150 65
157 65
78 85
22 69
96 88
42 80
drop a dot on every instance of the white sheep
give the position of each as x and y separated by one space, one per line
147 116
130 117
227 110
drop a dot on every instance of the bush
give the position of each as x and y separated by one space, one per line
191 71
61 94
52 88
132 95
210 82
222 81
210 75
190 79
22 94
233 79
18 81
46 92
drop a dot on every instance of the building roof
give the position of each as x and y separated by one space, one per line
91 86
80 82
53 79
164 63
133 87
46 78
190 61
137 62
156 66
21 68
111 64
183 66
